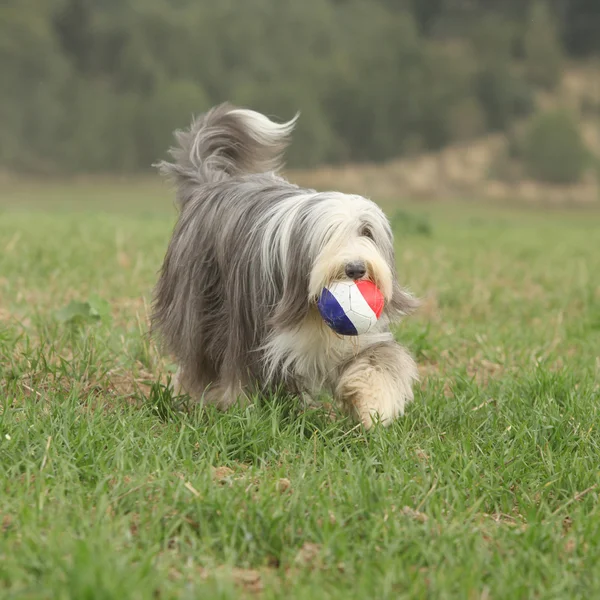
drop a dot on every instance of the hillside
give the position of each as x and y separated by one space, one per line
484 167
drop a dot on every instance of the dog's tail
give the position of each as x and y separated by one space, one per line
224 142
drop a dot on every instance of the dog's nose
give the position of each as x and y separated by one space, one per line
356 270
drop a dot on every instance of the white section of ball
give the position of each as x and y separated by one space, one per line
354 305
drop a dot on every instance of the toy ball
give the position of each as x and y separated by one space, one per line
351 307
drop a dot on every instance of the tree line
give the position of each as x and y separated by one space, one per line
98 86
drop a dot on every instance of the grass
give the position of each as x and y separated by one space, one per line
488 488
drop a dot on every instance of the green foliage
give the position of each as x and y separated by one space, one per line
448 109
165 403
33 73
554 149
78 314
543 52
99 86
502 92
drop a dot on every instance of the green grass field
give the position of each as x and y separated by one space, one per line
488 488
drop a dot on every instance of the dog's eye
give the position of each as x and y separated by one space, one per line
367 232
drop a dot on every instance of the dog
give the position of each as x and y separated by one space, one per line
236 299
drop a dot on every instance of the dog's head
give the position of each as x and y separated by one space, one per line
344 237
352 240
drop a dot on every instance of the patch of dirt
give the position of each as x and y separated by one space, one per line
416 515
570 546
6 523
248 579
483 370
458 171
222 475
284 485
309 555
130 385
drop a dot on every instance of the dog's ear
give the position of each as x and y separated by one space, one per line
292 277
293 307
402 303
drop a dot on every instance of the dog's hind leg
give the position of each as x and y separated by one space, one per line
225 395
206 392
376 385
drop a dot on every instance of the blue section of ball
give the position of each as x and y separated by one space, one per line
333 314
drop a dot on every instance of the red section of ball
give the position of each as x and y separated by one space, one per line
372 295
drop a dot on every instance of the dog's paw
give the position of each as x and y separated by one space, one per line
375 398
377 385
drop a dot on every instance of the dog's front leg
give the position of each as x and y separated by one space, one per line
376 385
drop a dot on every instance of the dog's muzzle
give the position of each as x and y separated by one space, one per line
355 270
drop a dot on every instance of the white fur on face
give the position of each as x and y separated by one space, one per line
334 236
341 226
341 250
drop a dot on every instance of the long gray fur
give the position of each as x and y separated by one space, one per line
230 281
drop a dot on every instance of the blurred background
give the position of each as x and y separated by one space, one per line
427 98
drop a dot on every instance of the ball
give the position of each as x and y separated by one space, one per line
351 307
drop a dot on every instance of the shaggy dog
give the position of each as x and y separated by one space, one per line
249 256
